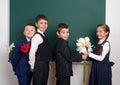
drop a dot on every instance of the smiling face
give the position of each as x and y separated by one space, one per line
42 25
101 33
29 31
64 33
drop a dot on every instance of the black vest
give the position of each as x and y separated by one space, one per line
43 52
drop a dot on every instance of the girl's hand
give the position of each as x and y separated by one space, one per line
84 56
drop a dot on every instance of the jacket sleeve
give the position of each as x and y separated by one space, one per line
15 56
76 58
67 54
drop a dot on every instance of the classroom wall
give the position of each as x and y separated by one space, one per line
112 19
6 76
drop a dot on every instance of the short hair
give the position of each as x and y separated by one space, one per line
30 24
62 26
41 16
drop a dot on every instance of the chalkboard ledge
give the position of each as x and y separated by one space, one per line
81 63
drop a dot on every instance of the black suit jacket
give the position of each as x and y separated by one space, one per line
64 59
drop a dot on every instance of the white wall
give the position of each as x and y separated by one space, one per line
112 19
6 76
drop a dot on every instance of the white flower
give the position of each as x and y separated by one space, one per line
90 49
88 45
81 40
84 45
78 44
10 48
83 50
87 39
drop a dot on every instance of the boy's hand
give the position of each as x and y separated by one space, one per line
49 73
87 53
84 56
31 70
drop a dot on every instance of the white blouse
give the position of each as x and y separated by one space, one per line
36 40
106 48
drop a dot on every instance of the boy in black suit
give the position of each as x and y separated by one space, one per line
63 57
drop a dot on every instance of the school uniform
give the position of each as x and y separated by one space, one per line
101 67
40 55
63 60
19 61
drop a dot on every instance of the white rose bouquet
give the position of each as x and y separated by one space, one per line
83 46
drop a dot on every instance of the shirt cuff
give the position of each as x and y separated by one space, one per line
91 54
31 65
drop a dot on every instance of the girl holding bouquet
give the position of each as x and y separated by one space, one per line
101 67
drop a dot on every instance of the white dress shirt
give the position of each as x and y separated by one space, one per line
28 39
106 48
36 40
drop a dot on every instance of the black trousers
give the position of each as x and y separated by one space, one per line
63 81
40 74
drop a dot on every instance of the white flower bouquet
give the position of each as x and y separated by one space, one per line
83 46
10 49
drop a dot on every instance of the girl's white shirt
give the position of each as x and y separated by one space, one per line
106 48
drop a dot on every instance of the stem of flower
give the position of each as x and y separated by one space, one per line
84 72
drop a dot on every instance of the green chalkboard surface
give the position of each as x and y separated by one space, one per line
82 16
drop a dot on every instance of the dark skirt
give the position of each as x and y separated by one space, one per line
100 73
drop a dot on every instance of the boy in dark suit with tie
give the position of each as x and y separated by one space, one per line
19 56
63 57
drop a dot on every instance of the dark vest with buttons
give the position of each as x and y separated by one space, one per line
44 51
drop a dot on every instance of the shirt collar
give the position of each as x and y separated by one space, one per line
40 32
101 41
28 39
63 39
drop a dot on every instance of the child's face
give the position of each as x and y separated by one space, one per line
64 33
29 31
42 25
101 34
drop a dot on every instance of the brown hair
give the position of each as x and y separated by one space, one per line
106 29
62 26
41 16
30 24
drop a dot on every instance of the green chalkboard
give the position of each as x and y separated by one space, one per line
82 16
